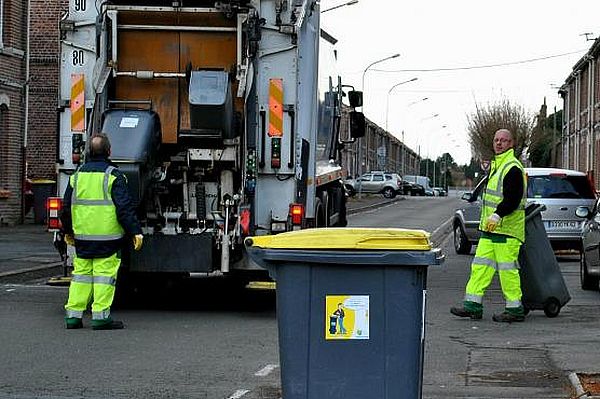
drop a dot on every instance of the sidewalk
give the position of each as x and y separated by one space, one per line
26 247
369 201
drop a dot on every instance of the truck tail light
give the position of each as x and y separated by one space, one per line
53 207
245 221
297 214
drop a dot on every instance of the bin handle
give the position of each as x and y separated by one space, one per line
539 208
413 243
440 257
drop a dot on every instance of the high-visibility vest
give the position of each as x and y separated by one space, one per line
93 210
513 224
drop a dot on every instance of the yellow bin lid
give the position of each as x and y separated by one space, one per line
346 238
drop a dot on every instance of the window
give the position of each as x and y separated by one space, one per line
3 142
559 186
1 22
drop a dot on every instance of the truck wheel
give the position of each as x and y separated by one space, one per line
341 204
319 213
462 245
587 282
351 191
389 192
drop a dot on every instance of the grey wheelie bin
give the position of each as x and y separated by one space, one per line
350 310
542 282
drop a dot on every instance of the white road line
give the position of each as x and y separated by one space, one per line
265 371
238 394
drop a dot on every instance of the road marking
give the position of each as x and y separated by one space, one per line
238 394
265 371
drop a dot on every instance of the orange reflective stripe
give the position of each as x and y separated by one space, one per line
275 107
77 103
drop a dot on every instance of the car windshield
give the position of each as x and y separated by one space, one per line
559 186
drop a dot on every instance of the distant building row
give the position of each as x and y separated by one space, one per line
581 120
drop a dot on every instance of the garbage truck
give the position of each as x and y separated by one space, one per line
225 117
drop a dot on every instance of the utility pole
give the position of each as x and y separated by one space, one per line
553 153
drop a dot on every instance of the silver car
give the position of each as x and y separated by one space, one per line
562 191
376 182
589 267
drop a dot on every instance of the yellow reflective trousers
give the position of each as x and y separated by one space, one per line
93 279
495 253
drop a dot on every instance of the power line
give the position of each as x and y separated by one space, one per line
482 66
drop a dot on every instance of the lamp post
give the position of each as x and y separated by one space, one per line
360 165
351 2
387 103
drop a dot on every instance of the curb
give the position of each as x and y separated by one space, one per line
443 230
579 391
47 266
353 211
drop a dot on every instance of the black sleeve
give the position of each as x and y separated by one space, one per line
512 190
125 209
65 215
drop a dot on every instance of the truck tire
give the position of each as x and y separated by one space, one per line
319 213
350 190
340 201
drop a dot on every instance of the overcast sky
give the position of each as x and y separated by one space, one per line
437 34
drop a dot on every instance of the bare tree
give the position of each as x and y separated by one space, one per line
485 121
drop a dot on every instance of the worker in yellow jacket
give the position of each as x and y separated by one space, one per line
97 216
502 226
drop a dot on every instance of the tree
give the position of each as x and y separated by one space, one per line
485 121
544 137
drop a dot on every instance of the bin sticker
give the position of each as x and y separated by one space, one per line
129 122
346 317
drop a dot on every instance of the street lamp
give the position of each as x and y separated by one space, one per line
369 66
363 107
387 104
351 2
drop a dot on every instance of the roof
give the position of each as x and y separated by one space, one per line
546 171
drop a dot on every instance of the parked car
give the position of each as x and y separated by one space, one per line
589 266
421 185
562 191
376 182
439 192
466 220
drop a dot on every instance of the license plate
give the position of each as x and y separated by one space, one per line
562 224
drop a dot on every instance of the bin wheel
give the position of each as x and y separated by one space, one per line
526 310
552 307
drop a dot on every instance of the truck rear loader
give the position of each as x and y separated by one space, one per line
221 115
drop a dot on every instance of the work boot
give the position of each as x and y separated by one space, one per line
73 323
510 314
107 324
464 312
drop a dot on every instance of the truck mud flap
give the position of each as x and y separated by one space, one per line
174 253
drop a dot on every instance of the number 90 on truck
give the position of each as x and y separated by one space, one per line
220 114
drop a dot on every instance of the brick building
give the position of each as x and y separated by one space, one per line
581 116
13 43
380 151
29 61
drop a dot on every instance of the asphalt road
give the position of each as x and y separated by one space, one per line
204 339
